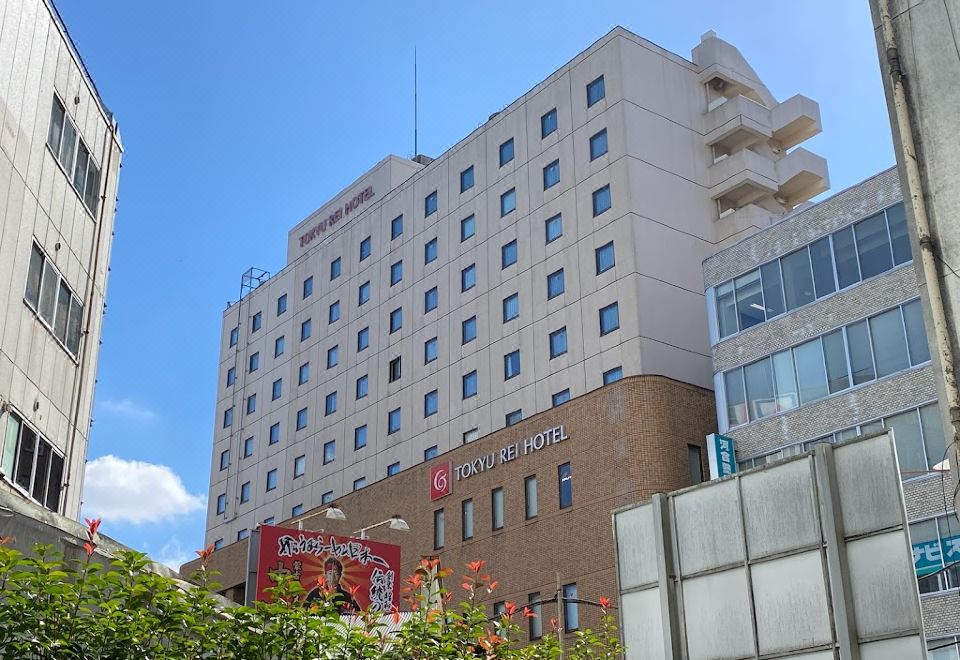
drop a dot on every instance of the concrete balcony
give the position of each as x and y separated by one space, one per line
800 176
742 178
795 120
737 124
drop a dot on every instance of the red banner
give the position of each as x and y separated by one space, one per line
360 574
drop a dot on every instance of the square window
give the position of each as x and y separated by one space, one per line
335 269
363 293
366 248
468 227
359 483
254 362
327 497
609 318
393 421
228 418
269 521
612 375
555 284
394 369
277 389
471 436
508 202
554 228
598 144
224 459
601 200
511 307
468 277
466 179
333 314
329 451
231 376
396 272
595 91
430 204
430 452
330 404
363 386
234 336
468 330
514 417
278 347
396 227
333 356
244 494
308 287
393 468
243 534
560 398
430 250
470 384
363 339
430 300
558 342
511 365
396 319
257 322
274 436
296 510
301 419
248 447
506 152
431 403
306 329
508 254
548 123
251 404
221 503
271 480
430 350
606 258
281 304
360 437
304 375
551 175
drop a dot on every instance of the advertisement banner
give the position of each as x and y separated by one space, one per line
360 573
930 556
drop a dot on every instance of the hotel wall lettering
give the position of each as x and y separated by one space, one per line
511 452
350 206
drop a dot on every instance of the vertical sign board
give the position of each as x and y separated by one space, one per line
361 574
720 454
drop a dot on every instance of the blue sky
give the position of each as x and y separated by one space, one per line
240 118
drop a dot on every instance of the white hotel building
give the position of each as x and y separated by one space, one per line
555 249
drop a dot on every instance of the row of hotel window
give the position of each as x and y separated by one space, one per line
604 257
32 463
918 432
73 154
855 354
360 432
48 294
609 317
530 506
837 261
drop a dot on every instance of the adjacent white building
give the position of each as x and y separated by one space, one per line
60 156
553 250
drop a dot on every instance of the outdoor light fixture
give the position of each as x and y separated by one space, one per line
332 512
395 522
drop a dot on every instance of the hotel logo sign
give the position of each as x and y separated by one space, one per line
441 484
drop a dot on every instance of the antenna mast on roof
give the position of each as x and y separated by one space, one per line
415 150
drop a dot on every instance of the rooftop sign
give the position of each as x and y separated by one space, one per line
350 206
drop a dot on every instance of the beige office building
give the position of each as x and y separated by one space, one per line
60 156
554 250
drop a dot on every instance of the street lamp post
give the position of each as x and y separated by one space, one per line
332 512
394 522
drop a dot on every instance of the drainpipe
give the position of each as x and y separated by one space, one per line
926 242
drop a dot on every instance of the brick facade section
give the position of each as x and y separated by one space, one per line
627 441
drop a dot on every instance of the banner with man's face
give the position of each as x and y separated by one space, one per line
355 573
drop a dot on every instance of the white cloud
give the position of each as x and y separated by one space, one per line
127 408
172 554
135 491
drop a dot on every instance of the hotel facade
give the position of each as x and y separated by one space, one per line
60 154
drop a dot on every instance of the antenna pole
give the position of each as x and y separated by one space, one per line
415 151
